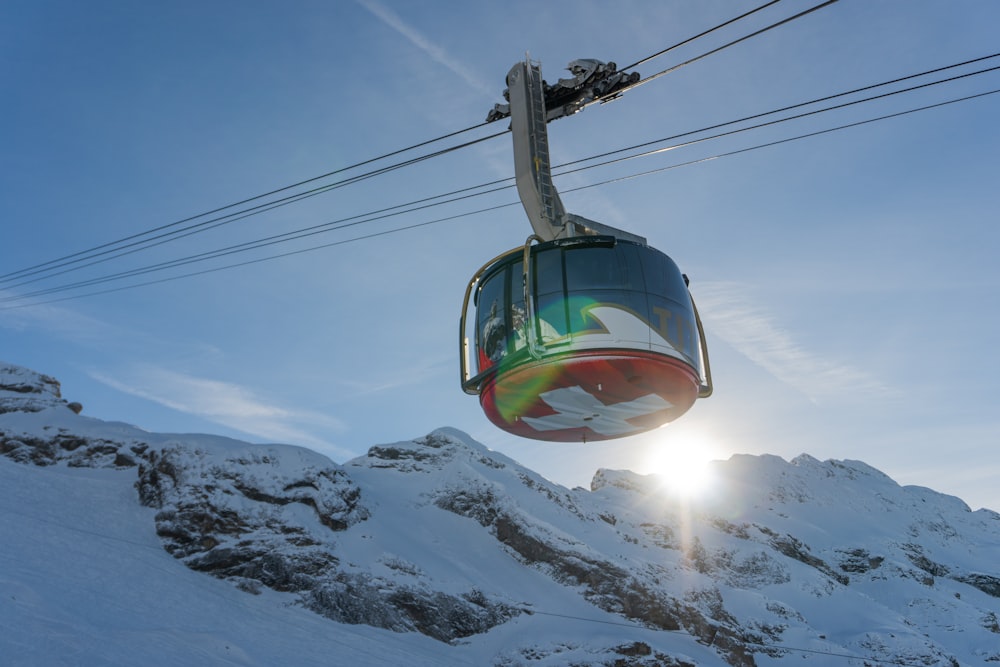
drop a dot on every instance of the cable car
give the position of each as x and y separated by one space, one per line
586 332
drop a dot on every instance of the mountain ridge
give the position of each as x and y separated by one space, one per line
443 537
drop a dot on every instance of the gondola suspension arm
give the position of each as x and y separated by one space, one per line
528 95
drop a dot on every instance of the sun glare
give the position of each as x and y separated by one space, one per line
681 461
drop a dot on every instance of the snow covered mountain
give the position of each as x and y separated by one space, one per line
121 546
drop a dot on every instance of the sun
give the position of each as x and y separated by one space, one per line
681 459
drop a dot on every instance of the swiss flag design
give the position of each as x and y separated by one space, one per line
593 395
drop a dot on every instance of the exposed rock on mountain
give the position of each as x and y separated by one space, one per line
22 390
442 536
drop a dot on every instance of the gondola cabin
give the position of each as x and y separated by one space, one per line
588 334
581 339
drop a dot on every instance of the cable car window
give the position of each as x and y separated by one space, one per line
603 277
550 314
491 328
603 268
547 271
662 276
516 340
587 314
670 304
549 293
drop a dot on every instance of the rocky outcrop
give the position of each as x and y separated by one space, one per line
403 608
23 390
50 430
234 514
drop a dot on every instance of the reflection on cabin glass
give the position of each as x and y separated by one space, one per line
576 288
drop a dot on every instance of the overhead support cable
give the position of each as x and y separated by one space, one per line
49 270
769 144
700 35
817 100
772 122
269 257
238 215
232 250
31 270
152 237
423 203
695 59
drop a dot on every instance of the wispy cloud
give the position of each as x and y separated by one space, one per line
730 314
60 322
414 375
224 403
435 52
76 328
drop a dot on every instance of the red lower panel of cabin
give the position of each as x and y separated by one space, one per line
594 395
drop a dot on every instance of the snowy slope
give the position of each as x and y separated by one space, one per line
439 551
85 581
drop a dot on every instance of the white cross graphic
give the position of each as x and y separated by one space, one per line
575 407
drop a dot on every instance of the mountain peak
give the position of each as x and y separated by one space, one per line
432 452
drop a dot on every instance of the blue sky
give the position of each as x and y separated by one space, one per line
847 281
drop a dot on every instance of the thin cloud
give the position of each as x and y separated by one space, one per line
76 328
224 403
410 376
53 320
730 315
436 53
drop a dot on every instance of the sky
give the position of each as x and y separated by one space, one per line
846 280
